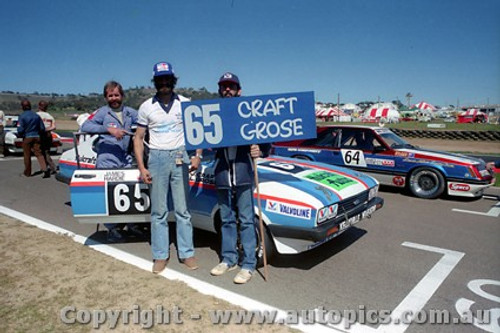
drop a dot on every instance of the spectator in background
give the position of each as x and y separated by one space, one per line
114 123
29 127
46 137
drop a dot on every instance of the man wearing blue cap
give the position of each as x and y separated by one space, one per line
167 167
234 183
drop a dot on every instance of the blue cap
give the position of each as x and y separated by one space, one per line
162 68
229 77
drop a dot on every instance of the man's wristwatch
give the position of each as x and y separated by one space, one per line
198 155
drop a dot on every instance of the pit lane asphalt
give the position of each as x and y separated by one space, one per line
367 266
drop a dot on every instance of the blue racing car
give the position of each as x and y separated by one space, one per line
382 154
303 204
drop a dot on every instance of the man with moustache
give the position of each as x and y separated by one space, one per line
167 169
114 123
234 183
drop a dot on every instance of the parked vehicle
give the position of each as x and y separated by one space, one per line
384 155
303 204
14 144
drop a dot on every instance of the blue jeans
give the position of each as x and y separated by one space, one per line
167 175
244 202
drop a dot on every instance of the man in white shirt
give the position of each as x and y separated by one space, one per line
46 137
167 167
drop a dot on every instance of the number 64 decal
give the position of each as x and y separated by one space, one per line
353 157
128 198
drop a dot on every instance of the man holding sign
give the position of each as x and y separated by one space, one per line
234 183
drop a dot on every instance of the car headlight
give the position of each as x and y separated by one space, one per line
372 193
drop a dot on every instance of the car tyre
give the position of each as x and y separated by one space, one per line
426 183
6 151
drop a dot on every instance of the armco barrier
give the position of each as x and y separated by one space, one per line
450 135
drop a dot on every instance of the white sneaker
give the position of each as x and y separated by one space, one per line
243 276
221 269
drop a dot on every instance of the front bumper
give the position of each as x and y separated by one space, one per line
296 239
468 189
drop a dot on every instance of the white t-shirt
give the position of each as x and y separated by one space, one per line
165 129
48 120
2 118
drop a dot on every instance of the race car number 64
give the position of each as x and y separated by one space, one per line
353 157
208 128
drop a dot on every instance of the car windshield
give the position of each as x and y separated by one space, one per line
394 141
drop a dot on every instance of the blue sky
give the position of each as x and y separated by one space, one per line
441 51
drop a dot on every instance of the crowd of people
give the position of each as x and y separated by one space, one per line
164 165
35 128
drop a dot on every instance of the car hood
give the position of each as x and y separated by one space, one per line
438 156
312 183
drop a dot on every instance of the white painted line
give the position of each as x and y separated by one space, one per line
423 291
200 286
493 212
10 158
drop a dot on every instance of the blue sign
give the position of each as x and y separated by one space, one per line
239 121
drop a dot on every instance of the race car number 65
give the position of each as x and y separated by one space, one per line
128 198
211 127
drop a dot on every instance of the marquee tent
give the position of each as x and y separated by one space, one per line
424 106
472 116
351 108
333 113
471 112
386 111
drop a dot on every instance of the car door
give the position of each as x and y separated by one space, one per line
361 149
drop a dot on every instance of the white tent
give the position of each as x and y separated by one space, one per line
350 108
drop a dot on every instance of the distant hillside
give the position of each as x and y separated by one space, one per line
61 105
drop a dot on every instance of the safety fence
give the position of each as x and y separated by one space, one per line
449 135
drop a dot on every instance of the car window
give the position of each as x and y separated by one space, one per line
327 138
352 138
9 122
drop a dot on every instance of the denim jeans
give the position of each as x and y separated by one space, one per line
244 202
167 175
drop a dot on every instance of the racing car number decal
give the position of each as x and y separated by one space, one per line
128 198
353 157
283 166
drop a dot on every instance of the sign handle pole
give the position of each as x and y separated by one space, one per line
261 224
